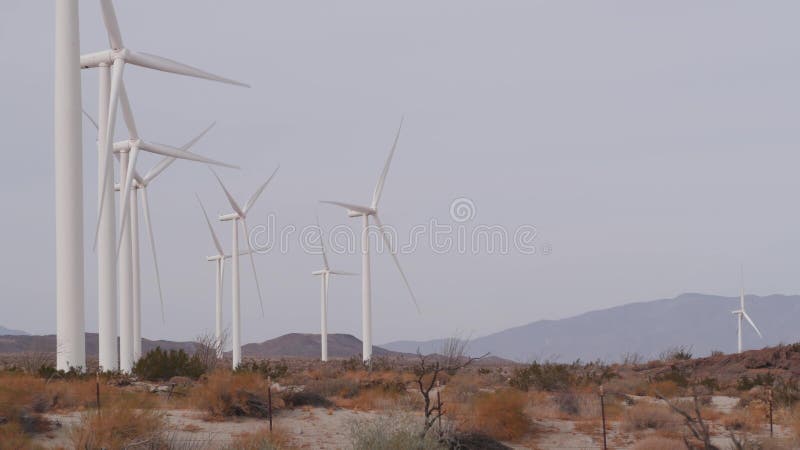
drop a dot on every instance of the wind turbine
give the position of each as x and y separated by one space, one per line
140 185
324 275
111 64
128 244
219 262
365 212
741 313
239 214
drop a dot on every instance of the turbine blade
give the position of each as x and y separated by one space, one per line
127 112
338 272
350 206
217 244
752 324
111 23
167 150
149 228
258 192
221 274
396 261
376 196
253 265
116 81
125 189
86 114
231 200
322 244
169 65
168 160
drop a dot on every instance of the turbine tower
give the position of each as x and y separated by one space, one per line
741 313
110 63
70 326
219 262
240 215
324 275
366 288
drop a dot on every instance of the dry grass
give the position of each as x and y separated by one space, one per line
262 439
665 388
119 426
644 415
658 443
500 414
13 436
749 419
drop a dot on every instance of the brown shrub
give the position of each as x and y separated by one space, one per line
658 443
665 388
644 415
226 394
500 414
119 426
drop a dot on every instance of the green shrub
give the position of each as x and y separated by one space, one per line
391 433
161 364
746 383
264 367
545 376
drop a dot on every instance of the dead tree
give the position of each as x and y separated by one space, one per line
693 421
207 348
429 367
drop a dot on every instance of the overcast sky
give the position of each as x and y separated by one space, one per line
653 145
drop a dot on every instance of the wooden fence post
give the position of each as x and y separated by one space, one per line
603 413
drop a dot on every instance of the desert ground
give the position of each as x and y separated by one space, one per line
671 402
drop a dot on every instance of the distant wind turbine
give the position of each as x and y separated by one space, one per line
325 274
366 290
219 262
239 214
741 313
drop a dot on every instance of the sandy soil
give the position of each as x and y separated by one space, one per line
320 428
308 428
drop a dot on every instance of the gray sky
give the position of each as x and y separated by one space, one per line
654 146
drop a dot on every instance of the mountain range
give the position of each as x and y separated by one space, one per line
700 322
9 332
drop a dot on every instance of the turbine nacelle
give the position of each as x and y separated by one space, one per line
223 257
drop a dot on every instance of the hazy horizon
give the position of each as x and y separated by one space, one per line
654 154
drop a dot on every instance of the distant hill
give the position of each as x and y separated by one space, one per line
288 345
308 346
47 343
9 332
703 322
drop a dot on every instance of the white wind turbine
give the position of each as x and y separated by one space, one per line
239 214
219 262
110 63
365 212
128 243
741 313
325 275
140 184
